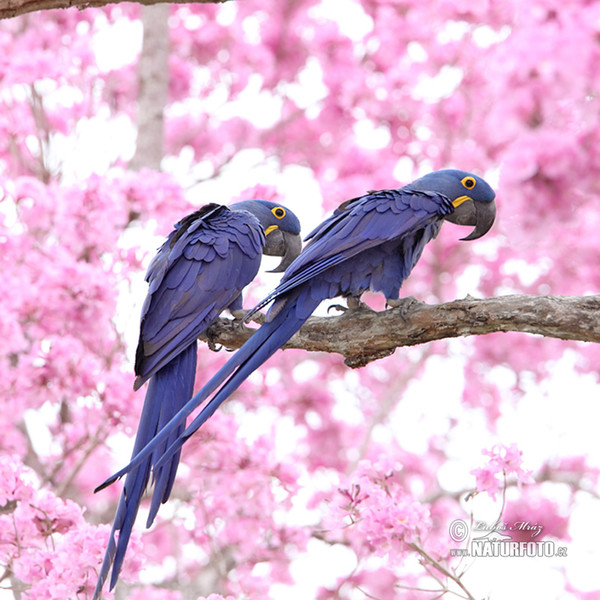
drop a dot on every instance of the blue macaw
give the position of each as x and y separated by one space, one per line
200 270
371 242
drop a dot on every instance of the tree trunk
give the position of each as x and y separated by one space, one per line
153 77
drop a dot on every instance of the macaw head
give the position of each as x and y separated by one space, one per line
281 227
471 197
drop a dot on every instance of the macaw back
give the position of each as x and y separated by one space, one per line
371 242
197 273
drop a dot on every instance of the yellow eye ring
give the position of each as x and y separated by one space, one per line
278 212
469 182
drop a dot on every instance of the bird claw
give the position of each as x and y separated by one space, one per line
404 305
210 339
258 318
238 322
354 303
339 307
214 347
240 317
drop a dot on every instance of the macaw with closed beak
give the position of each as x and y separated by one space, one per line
368 243
200 270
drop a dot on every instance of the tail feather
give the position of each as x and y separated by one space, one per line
263 344
174 391
272 335
169 389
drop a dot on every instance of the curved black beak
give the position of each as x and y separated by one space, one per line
282 243
477 213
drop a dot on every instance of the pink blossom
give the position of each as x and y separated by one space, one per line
307 451
376 514
504 462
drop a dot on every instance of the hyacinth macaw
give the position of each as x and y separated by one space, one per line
200 270
371 242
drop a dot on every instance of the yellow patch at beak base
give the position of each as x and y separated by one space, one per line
460 200
270 229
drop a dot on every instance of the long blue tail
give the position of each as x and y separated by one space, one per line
263 344
259 348
168 391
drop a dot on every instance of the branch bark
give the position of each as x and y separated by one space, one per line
364 336
13 8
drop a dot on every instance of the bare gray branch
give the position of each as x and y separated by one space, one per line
363 336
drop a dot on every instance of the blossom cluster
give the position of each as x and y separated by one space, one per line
377 515
504 462
47 548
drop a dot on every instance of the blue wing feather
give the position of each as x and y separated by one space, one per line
177 271
364 224
373 241
198 272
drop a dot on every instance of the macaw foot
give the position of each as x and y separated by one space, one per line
211 335
339 307
259 318
240 317
404 305
354 303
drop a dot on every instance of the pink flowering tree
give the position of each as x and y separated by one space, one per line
315 480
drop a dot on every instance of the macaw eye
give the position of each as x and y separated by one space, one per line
279 212
468 182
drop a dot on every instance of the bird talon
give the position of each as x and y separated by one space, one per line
238 323
404 305
355 303
210 335
258 318
214 347
339 307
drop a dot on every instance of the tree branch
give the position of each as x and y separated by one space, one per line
13 8
363 336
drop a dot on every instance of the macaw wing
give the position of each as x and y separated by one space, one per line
198 272
358 225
